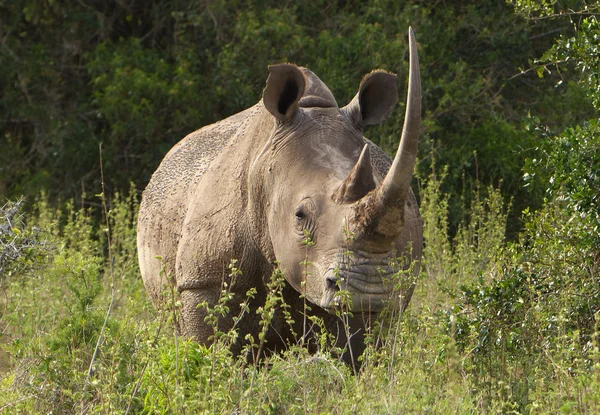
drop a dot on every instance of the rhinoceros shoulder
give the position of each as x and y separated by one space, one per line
167 196
188 160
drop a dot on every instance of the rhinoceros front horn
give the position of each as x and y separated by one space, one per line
380 214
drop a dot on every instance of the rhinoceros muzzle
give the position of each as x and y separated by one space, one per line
368 281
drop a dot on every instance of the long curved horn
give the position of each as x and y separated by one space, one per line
395 186
381 213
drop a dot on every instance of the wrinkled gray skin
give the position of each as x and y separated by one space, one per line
249 188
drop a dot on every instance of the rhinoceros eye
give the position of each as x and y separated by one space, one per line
303 221
300 214
305 216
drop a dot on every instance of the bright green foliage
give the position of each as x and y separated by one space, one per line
524 315
569 163
573 167
537 305
54 313
571 159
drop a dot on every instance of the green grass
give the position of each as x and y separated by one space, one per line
493 327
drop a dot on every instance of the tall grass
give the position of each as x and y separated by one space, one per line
493 327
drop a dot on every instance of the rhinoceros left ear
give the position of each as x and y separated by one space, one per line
375 99
285 87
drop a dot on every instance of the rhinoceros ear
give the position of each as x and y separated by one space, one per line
375 99
285 87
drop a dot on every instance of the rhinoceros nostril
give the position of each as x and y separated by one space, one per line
333 283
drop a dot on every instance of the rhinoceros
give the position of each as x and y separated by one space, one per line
255 187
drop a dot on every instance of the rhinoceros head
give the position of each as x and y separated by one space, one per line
330 185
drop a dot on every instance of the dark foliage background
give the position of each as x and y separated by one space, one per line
138 75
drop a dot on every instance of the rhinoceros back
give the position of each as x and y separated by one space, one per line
166 198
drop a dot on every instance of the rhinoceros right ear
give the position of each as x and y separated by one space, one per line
375 99
285 87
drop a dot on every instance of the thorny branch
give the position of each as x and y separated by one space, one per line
15 242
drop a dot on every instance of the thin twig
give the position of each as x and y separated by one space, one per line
112 288
175 326
563 14
551 32
556 63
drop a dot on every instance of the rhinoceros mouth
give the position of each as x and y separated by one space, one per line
367 281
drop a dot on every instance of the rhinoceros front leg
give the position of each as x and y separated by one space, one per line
196 304
349 334
194 312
